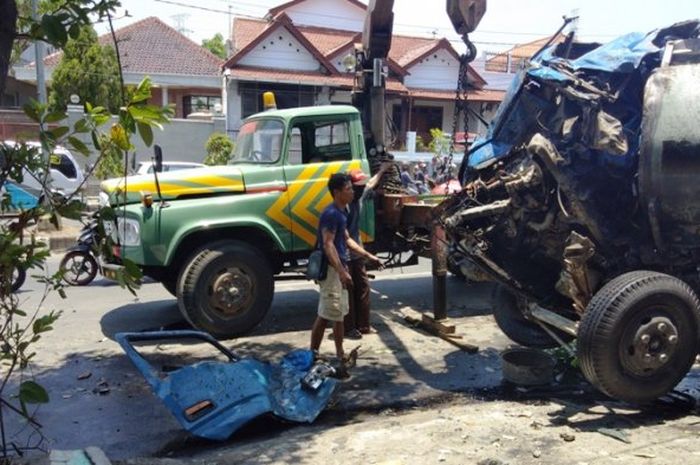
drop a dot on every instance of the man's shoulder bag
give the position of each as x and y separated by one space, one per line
317 268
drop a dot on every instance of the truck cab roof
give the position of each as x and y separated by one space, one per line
322 110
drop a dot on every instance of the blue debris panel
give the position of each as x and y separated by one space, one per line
213 399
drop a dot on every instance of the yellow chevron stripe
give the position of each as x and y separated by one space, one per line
176 189
301 208
277 211
218 181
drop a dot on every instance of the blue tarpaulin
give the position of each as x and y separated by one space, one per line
513 122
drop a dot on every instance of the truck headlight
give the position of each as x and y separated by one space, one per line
128 232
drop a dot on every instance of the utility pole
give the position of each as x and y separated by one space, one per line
39 53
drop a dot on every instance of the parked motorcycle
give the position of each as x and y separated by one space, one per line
19 274
79 264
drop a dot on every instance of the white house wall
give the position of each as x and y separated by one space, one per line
281 50
439 70
338 59
337 14
233 105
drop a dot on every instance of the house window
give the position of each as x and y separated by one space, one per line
195 103
286 96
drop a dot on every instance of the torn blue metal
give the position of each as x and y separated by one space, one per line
213 399
616 65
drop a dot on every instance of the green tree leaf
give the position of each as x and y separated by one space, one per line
146 133
54 29
59 132
78 145
32 393
215 45
88 70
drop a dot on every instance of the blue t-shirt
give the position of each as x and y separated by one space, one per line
333 219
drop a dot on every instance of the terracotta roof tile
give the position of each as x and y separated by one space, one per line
519 53
150 46
307 78
245 30
405 47
327 40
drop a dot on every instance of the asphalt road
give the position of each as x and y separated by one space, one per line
98 398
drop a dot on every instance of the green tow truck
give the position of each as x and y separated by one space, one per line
217 237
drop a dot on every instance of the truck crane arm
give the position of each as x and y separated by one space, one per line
369 90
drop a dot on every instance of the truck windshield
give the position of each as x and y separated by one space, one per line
259 141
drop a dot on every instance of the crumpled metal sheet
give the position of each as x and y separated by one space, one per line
618 65
213 399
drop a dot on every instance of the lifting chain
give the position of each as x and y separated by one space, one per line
461 102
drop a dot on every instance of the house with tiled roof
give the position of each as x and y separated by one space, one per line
511 60
183 73
297 51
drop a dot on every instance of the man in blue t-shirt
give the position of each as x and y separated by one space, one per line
334 240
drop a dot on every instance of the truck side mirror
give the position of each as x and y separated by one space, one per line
158 159
465 14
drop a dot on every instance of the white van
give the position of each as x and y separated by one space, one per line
66 175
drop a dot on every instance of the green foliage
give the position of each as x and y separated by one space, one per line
420 144
440 143
88 70
219 149
216 45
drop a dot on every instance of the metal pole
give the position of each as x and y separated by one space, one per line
39 53
438 249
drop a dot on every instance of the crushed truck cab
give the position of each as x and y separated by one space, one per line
216 236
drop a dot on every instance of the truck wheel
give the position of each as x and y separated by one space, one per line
227 289
639 336
510 319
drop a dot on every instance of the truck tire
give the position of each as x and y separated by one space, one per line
227 289
639 336
510 319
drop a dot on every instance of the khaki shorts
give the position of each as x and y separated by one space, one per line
333 301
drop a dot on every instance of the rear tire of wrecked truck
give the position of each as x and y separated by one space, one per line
226 290
639 336
508 313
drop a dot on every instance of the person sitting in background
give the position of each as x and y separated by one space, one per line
406 181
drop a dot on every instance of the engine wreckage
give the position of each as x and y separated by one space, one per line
583 203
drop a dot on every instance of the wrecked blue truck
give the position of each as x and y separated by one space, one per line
583 203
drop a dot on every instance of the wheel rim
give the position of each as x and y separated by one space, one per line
231 292
77 267
650 344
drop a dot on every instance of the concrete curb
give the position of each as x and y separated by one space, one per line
58 243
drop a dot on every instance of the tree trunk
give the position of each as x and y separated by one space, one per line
8 22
